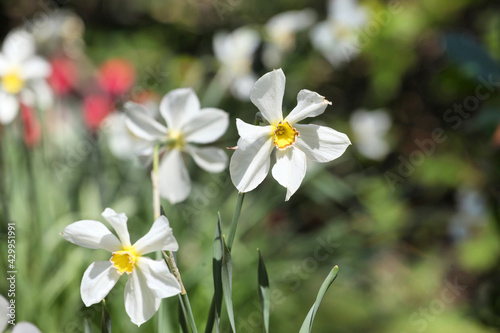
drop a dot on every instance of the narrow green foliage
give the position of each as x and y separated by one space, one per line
182 318
227 276
264 292
308 322
215 308
105 319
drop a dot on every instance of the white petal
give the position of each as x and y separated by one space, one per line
36 67
142 124
159 237
18 46
290 22
92 235
330 45
236 48
4 64
206 126
347 13
25 327
210 159
97 281
174 183
309 104
9 107
251 133
250 165
267 95
290 169
141 303
158 277
119 223
242 85
43 94
320 143
179 105
3 313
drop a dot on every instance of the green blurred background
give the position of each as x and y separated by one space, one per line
415 233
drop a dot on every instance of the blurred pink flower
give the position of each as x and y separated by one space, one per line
96 107
64 75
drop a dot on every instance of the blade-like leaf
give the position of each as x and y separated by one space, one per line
182 317
308 322
105 319
227 276
264 293
215 308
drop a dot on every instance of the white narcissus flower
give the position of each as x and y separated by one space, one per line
21 327
292 142
22 76
235 51
148 280
370 129
281 30
337 37
187 125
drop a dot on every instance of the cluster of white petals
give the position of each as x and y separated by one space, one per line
235 51
291 142
149 281
22 76
281 30
187 126
337 37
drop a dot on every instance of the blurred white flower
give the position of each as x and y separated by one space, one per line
281 30
60 30
149 280
370 129
22 76
121 141
337 37
187 125
250 162
235 51
20 327
470 213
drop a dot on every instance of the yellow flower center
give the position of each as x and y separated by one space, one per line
12 82
125 260
177 138
284 135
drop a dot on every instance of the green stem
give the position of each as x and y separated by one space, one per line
168 255
188 311
236 217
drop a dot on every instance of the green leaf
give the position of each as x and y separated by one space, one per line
105 319
264 293
227 275
308 322
215 308
182 317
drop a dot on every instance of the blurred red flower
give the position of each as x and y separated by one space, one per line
116 76
32 129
